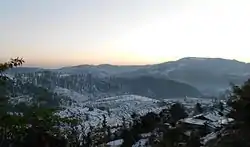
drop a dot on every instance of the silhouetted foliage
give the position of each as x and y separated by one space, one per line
194 140
240 102
143 124
34 123
237 134
198 108
177 112
221 107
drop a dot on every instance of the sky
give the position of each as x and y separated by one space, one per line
53 33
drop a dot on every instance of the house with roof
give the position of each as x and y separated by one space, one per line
209 121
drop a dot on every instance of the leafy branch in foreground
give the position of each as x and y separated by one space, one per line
14 62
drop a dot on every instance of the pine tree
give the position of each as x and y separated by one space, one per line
30 125
124 126
237 133
240 102
194 140
221 107
4 80
177 112
198 108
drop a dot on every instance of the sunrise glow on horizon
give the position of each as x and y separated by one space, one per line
55 33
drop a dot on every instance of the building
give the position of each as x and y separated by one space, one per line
210 121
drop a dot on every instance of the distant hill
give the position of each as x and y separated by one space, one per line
25 70
157 87
28 93
99 70
210 75
99 87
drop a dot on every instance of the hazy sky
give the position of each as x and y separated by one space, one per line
65 32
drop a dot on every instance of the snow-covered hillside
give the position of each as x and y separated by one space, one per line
71 94
115 109
189 102
125 105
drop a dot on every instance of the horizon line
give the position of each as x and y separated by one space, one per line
110 64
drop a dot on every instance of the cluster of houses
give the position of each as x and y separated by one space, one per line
210 123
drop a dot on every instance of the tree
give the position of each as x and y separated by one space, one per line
171 137
240 102
237 133
177 112
149 122
4 80
221 106
31 125
198 108
194 140
128 138
134 115
124 125
10 64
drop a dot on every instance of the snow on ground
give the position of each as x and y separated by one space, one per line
115 108
189 102
21 99
71 94
125 105
115 143
141 143
90 118
123 98
145 135
64 75
209 137
9 76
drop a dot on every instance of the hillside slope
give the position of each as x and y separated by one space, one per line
95 87
210 75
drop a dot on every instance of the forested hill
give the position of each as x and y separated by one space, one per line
211 76
87 84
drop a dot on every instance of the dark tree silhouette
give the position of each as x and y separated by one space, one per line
237 133
177 112
198 108
240 102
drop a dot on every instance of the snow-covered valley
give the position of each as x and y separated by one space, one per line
118 108
106 108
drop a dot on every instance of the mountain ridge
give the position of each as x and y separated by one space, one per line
210 75
143 65
98 87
